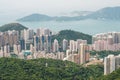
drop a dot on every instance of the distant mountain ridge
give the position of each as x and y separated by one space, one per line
112 13
108 13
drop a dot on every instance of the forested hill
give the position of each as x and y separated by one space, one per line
36 69
12 26
115 75
72 35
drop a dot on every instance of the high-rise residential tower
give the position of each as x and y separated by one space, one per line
65 44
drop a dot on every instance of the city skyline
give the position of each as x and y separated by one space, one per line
28 45
59 39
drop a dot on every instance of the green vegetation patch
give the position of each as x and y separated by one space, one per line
36 69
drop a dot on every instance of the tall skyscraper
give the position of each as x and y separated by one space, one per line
31 33
42 41
6 51
55 46
83 54
47 42
68 52
110 40
1 52
16 49
65 44
73 45
31 48
109 64
19 48
36 41
25 34
22 44
117 62
1 39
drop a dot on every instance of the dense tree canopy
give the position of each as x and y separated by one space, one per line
102 54
36 69
115 75
12 26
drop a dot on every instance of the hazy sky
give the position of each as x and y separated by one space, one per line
21 8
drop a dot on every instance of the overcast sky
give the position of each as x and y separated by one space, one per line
21 8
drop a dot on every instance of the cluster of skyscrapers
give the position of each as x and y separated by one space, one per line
30 44
81 56
106 41
9 38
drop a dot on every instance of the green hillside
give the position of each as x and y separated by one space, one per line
12 26
103 54
115 75
17 69
72 35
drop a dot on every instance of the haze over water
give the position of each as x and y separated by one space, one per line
86 26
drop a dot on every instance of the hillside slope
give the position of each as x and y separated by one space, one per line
12 26
109 13
71 35
115 75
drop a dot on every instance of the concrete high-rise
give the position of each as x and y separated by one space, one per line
36 42
16 49
55 46
110 64
65 44
22 44
82 53
73 45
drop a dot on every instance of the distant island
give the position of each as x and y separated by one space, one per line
108 13
12 26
